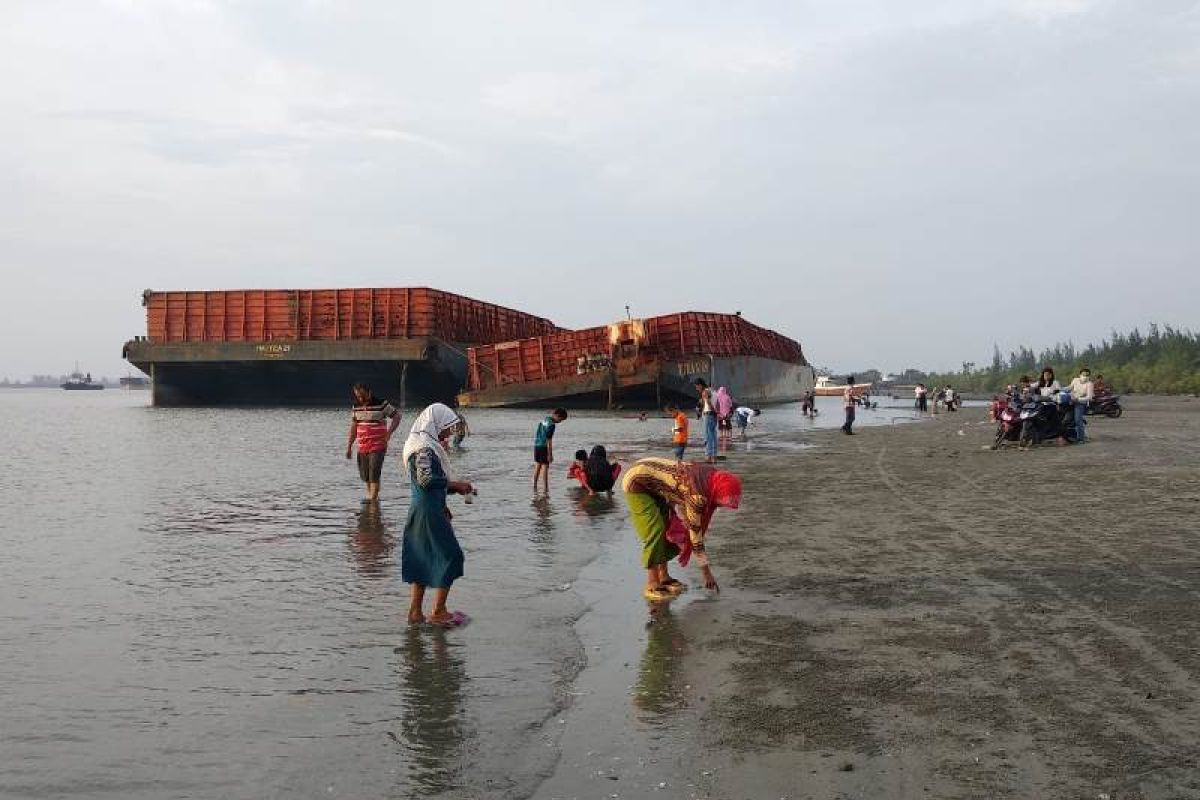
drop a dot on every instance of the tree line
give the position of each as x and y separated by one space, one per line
1165 360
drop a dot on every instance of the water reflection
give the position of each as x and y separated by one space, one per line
433 727
542 532
586 505
660 684
371 543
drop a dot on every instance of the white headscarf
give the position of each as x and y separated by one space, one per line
424 434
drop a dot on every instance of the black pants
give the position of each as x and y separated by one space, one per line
849 420
922 403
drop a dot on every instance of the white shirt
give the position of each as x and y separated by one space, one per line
1082 390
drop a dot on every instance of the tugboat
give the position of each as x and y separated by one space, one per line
78 381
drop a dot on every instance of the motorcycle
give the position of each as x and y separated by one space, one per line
1108 405
1044 419
1008 422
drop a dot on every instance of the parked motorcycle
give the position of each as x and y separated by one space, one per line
1008 423
1045 419
1109 405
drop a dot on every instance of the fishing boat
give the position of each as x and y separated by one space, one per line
827 388
78 381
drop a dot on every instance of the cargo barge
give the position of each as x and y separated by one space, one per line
308 346
639 363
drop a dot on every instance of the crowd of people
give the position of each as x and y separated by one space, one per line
671 501
1080 394
943 397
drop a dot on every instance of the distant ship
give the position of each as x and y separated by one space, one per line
135 382
827 388
78 381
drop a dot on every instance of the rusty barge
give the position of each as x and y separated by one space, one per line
307 347
639 363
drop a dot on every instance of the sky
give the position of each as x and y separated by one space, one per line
894 184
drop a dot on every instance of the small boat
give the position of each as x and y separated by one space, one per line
827 388
78 381
135 382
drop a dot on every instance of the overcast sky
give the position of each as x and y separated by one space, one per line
892 183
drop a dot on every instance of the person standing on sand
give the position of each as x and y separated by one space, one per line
543 448
369 427
708 413
922 397
671 505
724 414
1082 393
848 405
430 554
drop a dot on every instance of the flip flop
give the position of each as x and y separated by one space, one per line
457 620
657 594
675 587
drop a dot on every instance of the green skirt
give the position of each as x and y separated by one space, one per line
649 515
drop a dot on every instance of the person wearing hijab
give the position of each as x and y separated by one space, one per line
671 505
599 475
430 555
725 413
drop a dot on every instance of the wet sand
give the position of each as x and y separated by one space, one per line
907 614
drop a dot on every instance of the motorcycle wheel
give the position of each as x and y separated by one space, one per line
1113 412
1026 439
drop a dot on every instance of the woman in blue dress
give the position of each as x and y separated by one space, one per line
430 555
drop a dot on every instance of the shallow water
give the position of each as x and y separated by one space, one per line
194 603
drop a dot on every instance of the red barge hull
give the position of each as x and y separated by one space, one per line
639 364
278 347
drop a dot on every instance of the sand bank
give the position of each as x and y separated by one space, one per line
907 614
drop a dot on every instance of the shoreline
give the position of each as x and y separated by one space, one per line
891 624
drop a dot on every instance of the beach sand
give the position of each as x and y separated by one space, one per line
906 613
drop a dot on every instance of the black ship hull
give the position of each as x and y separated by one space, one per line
406 371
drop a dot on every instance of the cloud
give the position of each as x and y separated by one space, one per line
1046 12
799 159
